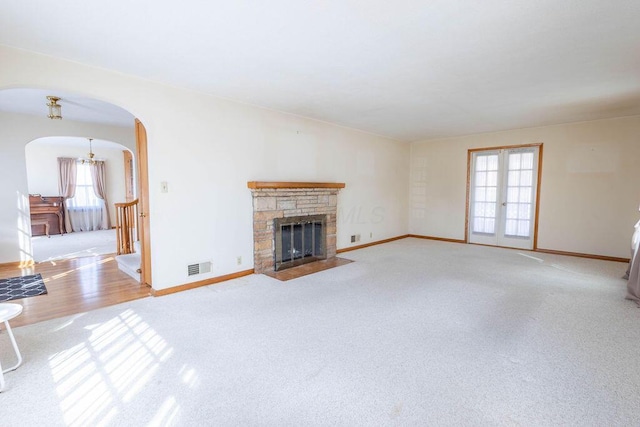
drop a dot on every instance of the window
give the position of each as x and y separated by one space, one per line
85 197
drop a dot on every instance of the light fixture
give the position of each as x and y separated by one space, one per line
55 110
91 159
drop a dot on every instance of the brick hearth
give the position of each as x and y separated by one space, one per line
284 199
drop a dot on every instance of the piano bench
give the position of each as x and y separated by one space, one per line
42 222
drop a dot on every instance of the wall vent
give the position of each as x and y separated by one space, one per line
199 268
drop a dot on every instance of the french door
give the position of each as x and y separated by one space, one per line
502 196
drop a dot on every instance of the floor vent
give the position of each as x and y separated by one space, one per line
203 267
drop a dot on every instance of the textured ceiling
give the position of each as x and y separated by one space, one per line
404 69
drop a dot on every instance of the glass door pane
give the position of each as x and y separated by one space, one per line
519 192
502 197
485 194
485 189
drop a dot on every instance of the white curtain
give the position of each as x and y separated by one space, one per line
87 212
633 274
86 218
99 181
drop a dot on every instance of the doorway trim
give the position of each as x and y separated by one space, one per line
144 228
470 153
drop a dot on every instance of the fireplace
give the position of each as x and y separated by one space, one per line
293 223
299 240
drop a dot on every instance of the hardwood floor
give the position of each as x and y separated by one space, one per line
75 286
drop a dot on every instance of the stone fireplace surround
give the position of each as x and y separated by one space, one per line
284 199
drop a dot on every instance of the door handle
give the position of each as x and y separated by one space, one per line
504 203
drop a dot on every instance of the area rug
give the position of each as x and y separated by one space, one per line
21 287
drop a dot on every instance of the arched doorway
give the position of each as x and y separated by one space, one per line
93 233
83 117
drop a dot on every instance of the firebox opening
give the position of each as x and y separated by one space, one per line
299 240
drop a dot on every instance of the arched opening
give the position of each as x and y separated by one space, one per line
30 143
92 219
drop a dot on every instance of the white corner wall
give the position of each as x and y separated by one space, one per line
206 149
42 170
589 194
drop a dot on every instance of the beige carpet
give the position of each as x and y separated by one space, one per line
413 332
73 245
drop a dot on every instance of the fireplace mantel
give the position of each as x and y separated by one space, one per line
255 185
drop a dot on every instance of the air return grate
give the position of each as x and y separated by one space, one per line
199 268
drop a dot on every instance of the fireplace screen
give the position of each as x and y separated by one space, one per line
299 240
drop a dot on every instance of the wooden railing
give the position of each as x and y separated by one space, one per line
126 226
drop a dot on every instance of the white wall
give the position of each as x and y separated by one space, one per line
206 149
589 193
42 169
16 131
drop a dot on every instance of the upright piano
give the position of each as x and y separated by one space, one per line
48 208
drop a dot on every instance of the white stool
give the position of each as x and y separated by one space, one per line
7 312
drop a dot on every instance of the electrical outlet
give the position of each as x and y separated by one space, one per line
239 260
353 238
164 187
371 235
